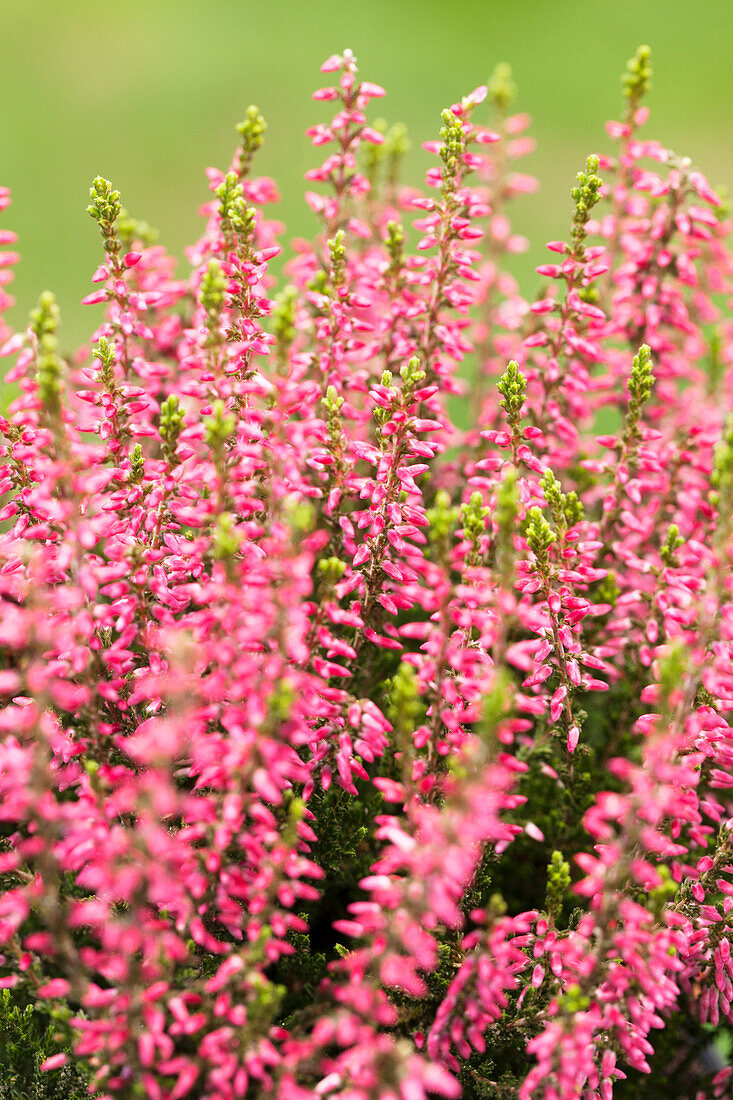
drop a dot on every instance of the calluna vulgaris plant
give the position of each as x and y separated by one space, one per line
347 752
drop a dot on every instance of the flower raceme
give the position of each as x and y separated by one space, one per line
350 748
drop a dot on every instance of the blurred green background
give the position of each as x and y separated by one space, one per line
147 93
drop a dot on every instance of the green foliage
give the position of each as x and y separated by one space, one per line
299 976
27 1039
346 849
610 716
683 1057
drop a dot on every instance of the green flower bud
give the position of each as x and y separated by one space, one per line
220 426
585 194
502 89
540 538
50 367
513 388
558 885
105 208
105 353
331 570
132 231
137 465
670 546
451 151
238 220
412 376
252 133
566 508
225 537
636 80
443 518
641 381
283 322
171 422
473 517
337 254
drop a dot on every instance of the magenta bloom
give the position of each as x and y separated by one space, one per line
366 643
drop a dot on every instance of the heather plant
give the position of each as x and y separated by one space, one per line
366 638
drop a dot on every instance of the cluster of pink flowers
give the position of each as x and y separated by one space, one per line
251 555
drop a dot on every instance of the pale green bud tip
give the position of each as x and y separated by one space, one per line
337 255
105 203
637 78
512 386
333 402
45 317
226 538
495 705
539 534
442 516
671 672
301 517
171 422
137 464
412 373
219 426
396 140
507 500
332 569
105 353
213 287
252 128
395 240
502 88
641 381
722 475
